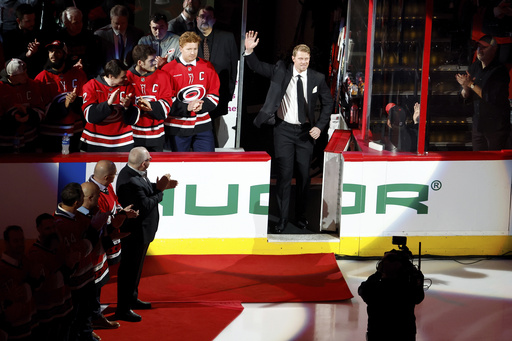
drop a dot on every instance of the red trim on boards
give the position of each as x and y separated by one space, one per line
123 157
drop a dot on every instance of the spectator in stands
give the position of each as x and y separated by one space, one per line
109 111
21 108
118 39
186 21
53 298
25 41
8 17
18 280
62 90
165 43
81 43
154 96
218 47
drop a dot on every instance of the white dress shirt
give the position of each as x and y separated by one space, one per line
288 110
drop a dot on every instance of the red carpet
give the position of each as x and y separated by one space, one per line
243 278
193 288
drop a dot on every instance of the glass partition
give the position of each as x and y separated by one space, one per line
397 66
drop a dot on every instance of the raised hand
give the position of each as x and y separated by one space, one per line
251 41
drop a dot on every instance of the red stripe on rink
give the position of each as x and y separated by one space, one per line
122 157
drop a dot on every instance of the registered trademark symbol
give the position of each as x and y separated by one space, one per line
436 185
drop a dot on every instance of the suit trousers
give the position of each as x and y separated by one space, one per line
293 146
130 269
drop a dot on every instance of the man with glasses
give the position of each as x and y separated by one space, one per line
133 186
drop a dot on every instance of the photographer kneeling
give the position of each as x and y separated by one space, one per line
391 294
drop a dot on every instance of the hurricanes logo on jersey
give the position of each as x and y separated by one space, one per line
191 92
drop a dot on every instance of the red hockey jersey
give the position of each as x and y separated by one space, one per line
193 81
59 120
24 99
108 128
156 89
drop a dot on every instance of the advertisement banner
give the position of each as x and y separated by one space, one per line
212 199
426 198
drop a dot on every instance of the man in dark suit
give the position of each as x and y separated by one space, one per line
294 91
118 38
186 21
134 187
219 47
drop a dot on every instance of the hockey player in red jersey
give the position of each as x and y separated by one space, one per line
109 109
196 86
62 87
21 109
153 94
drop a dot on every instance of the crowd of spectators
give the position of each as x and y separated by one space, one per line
52 68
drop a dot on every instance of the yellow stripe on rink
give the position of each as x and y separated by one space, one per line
349 246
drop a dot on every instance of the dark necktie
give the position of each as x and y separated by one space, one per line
301 102
206 49
120 47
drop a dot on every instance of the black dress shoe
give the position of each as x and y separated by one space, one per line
141 305
281 225
302 223
129 316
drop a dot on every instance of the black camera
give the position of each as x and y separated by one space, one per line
399 263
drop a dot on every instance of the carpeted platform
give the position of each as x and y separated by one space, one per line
173 280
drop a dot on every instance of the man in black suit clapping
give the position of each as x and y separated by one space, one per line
134 187
293 93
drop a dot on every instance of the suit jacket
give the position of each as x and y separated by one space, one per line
224 57
178 25
132 188
108 47
280 75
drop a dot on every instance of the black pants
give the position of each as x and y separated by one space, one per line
130 269
293 146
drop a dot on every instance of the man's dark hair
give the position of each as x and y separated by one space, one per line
71 193
142 52
42 217
114 68
157 17
8 230
209 9
24 9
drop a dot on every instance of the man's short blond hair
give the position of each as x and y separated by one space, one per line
301 48
189 37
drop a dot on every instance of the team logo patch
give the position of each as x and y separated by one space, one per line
191 92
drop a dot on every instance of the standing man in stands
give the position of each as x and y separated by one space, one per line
109 110
118 38
186 21
81 43
293 93
25 41
134 187
218 47
153 94
165 43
